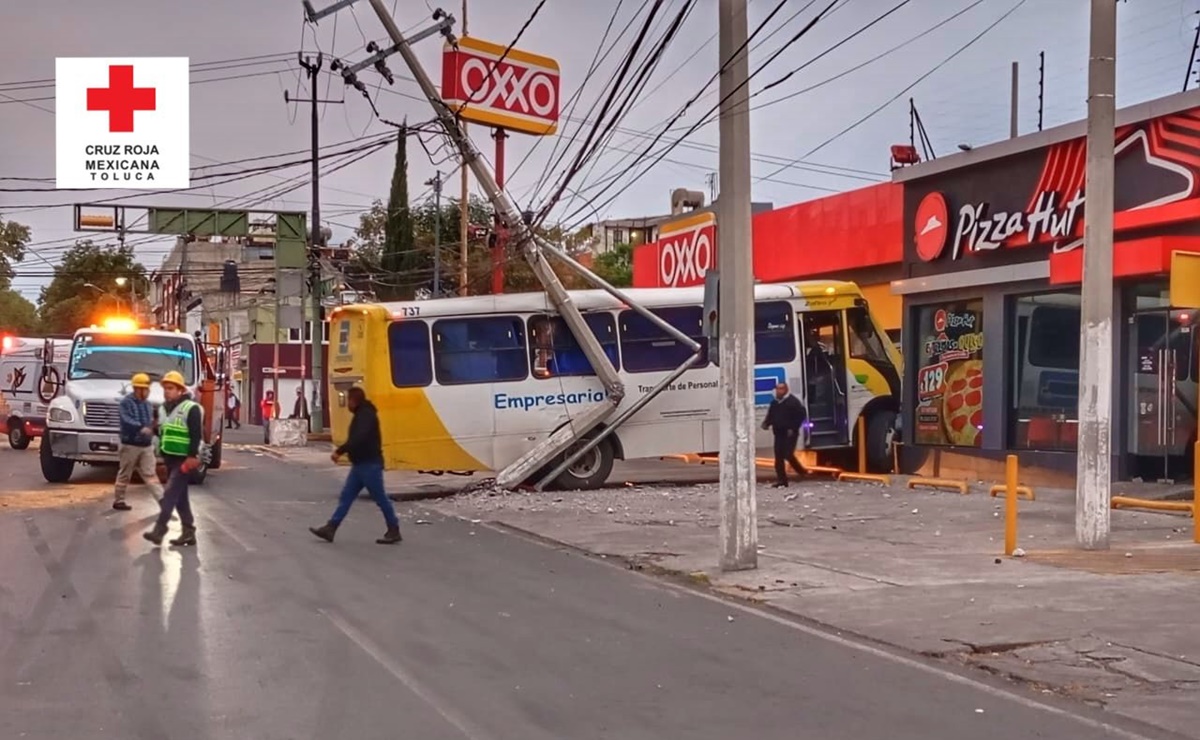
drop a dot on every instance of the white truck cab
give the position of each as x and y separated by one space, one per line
83 423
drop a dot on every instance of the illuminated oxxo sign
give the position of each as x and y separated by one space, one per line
686 250
517 91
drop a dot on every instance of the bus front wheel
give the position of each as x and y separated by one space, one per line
590 471
881 429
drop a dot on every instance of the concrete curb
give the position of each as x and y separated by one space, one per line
405 496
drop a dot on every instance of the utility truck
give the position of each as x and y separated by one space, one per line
83 423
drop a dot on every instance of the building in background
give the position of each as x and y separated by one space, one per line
855 236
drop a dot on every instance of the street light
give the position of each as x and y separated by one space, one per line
104 292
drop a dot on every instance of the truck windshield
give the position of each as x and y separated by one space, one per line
119 356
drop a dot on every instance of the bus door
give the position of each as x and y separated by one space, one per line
823 342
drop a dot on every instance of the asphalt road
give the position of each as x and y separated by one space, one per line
461 632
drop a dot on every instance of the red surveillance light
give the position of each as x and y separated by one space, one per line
905 154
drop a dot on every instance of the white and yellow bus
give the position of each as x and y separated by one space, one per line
472 384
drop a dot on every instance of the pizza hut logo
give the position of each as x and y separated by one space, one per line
932 226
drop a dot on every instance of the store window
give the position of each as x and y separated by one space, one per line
1045 372
949 376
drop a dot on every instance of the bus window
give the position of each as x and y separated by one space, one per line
646 348
554 351
865 343
485 349
408 346
774 335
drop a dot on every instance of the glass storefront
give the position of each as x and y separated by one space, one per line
949 374
1044 390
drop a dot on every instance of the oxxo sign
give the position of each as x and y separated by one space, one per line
517 91
686 250
978 230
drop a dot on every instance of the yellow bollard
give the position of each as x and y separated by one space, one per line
862 444
1010 505
1196 497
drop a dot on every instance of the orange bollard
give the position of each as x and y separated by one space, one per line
1010 505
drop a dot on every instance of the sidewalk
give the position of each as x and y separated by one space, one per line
923 571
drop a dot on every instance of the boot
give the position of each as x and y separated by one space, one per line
187 538
391 537
325 532
156 535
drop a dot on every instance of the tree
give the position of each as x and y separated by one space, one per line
400 256
616 265
13 239
17 315
84 288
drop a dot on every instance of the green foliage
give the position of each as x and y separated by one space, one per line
17 315
69 302
13 239
399 255
616 265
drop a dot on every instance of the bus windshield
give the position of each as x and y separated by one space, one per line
119 356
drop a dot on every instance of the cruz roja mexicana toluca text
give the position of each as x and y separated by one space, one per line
121 162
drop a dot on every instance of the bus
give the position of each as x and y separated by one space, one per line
471 384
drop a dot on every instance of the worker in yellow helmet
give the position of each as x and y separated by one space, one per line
137 442
180 431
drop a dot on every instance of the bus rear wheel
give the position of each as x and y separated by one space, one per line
590 471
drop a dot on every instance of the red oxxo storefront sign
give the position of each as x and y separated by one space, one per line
987 212
489 84
687 249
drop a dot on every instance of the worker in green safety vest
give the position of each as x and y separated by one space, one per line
180 431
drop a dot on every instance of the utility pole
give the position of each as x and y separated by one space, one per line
1093 482
1014 120
436 184
1041 86
313 278
464 214
738 473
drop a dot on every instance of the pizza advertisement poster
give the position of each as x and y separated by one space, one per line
950 375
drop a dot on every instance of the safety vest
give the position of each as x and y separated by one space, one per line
173 436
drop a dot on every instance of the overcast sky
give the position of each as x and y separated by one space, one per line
963 100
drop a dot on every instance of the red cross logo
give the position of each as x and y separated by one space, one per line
120 98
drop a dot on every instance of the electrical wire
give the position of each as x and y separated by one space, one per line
795 38
916 82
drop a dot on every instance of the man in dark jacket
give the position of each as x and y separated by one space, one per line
137 438
364 447
786 418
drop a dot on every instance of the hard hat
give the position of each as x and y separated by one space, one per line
141 380
173 378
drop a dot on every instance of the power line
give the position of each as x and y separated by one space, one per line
916 82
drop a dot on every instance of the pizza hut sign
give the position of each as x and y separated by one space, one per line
1052 219
969 339
687 250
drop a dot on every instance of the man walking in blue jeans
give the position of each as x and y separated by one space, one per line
364 446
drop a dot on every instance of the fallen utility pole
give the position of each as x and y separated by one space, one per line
1093 478
738 470
579 435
